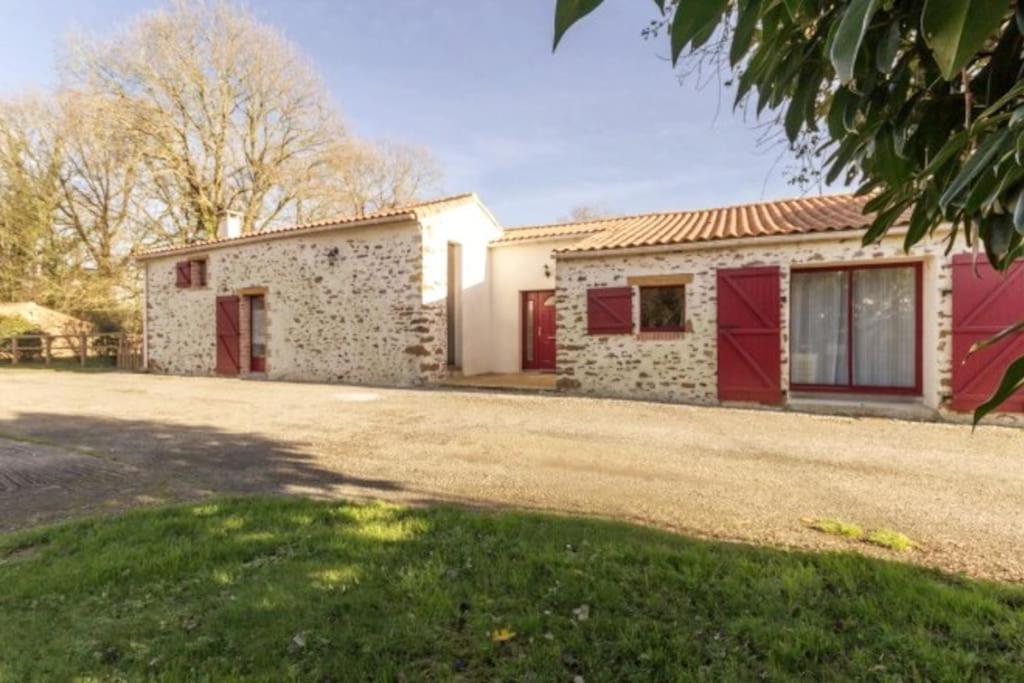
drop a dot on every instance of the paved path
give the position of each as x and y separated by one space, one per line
78 443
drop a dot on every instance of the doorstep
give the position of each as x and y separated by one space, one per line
517 381
896 407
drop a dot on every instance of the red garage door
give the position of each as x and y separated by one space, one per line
227 335
749 341
984 304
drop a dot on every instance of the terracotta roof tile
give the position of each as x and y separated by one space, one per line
783 217
410 212
515 235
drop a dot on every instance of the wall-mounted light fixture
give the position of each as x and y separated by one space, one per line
547 270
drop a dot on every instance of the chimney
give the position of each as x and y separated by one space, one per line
230 225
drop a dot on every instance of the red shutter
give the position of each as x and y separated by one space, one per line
183 269
610 310
749 336
228 335
982 306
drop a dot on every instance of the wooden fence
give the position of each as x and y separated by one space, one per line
120 350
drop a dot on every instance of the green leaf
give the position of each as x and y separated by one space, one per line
850 35
999 237
978 162
846 152
921 218
952 147
1012 382
1015 328
568 12
883 221
956 30
888 48
694 18
746 21
1018 213
801 103
793 7
836 120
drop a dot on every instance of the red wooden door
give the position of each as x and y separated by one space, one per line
227 335
749 338
539 330
983 306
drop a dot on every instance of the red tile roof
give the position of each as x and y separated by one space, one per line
569 230
409 212
763 219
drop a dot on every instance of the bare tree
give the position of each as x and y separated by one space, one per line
29 167
585 212
99 177
158 130
227 113
362 177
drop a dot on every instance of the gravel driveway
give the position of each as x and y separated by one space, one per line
93 442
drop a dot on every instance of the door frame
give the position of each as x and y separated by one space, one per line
525 330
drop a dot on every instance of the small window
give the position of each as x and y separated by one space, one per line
663 309
190 274
183 274
200 270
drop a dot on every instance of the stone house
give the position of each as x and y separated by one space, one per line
775 303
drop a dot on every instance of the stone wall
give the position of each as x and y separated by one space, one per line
682 368
342 306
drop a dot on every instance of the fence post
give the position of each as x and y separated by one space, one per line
84 348
49 348
14 350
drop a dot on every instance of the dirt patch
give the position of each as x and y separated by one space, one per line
722 473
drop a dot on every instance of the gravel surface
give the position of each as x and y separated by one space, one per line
735 474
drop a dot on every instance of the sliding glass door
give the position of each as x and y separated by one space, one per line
856 329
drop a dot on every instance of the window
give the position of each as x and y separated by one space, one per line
190 274
199 268
663 309
257 334
856 329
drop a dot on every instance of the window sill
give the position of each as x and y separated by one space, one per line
660 336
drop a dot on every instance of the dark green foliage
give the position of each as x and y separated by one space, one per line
279 589
923 101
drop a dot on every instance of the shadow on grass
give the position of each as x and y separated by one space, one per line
278 588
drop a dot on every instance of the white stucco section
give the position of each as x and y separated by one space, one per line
517 268
472 228
684 369
342 306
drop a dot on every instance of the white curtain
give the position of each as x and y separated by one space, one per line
818 328
884 327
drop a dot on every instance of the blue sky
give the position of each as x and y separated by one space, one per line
603 122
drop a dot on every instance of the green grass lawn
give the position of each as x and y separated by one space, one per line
279 589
